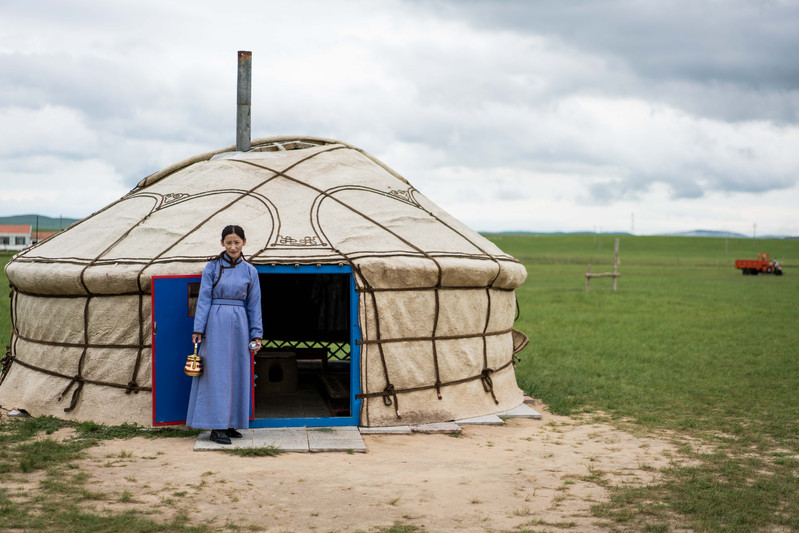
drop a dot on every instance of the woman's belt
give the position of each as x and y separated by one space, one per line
225 301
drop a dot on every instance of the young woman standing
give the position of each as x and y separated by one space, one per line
228 317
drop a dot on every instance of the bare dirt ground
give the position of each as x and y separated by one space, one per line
527 474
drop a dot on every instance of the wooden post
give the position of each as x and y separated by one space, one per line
588 278
615 274
243 98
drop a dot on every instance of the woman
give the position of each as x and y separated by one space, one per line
228 316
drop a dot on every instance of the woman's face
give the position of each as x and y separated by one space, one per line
233 244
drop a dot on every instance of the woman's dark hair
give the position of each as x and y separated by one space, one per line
233 229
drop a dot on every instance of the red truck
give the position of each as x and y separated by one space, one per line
756 266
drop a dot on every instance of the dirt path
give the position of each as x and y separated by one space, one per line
525 474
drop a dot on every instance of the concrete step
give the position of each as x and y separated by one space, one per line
326 439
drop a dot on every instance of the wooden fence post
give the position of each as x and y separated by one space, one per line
588 278
615 274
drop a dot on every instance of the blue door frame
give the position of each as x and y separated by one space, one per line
172 327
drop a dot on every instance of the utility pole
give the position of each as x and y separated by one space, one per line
726 234
754 235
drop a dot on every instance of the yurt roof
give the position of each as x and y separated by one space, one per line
301 200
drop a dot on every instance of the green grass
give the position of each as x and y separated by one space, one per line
264 451
686 344
643 250
686 351
91 430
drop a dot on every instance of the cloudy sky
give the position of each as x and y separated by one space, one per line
629 115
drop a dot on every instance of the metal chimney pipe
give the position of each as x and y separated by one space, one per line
243 98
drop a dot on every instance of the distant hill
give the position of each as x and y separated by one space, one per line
709 233
524 232
693 233
728 234
45 223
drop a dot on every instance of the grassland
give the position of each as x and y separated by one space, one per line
686 347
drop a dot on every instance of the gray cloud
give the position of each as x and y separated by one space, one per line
614 101
734 49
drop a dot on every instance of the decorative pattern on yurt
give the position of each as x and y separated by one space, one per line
436 301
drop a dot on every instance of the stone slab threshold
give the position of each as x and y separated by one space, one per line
347 438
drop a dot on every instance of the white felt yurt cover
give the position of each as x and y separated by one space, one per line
436 299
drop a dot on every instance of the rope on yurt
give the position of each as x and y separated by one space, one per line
390 395
389 392
485 375
242 194
440 337
18 335
132 385
434 340
480 288
488 384
406 197
389 398
520 340
5 364
76 378
428 387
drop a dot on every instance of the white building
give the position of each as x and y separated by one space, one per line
15 237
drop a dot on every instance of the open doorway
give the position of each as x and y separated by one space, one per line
307 371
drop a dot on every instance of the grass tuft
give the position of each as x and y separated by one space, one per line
265 451
43 453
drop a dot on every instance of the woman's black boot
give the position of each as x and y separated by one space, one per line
220 436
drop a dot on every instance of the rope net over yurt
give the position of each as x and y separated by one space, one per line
436 301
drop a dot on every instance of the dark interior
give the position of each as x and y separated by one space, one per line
303 368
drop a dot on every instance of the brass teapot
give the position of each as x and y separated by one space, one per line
194 364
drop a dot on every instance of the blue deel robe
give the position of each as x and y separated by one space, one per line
228 315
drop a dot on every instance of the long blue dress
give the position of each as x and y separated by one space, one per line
228 315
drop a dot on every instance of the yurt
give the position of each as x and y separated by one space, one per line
379 308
